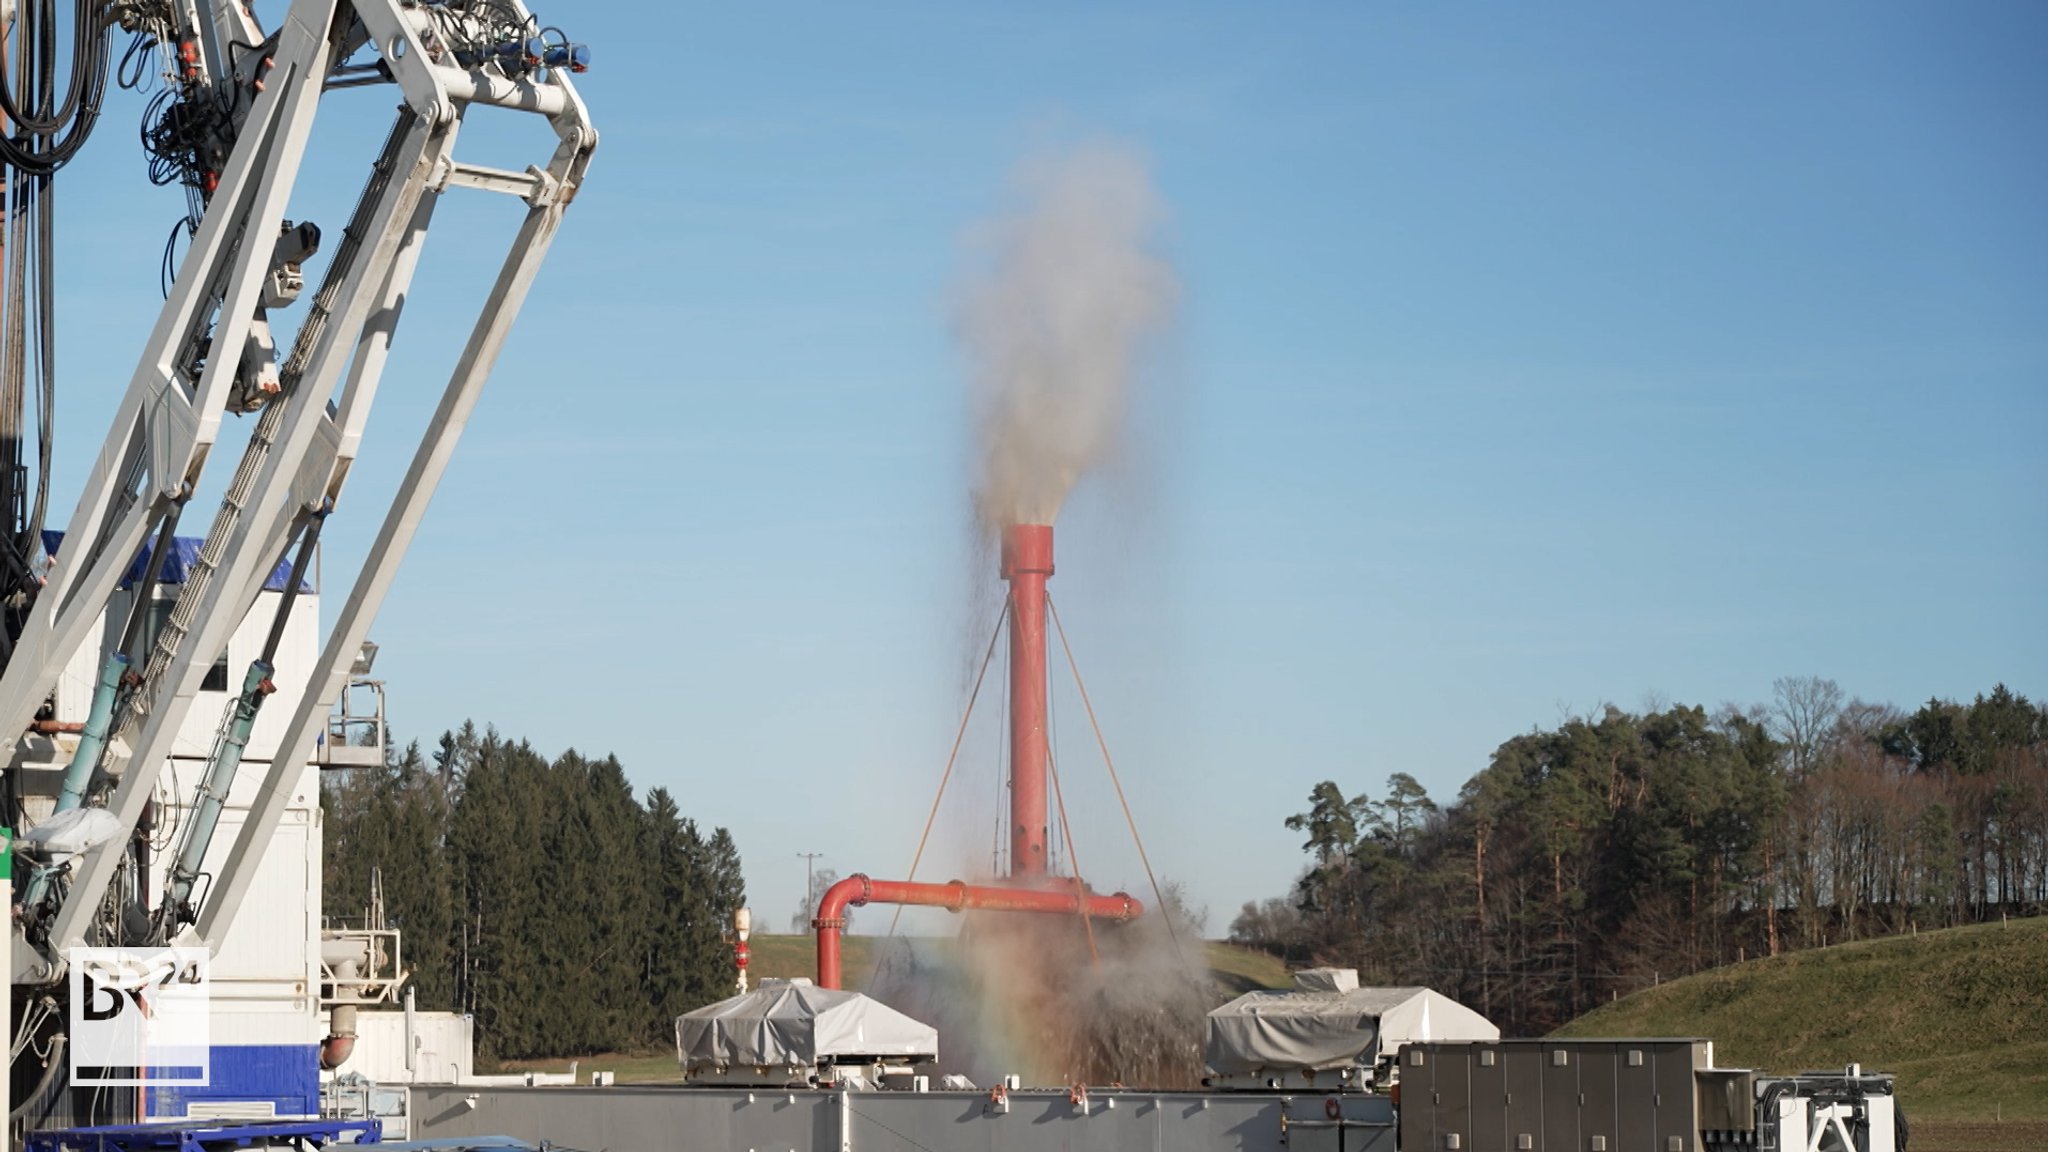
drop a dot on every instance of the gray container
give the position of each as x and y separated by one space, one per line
1524 1060
1489 1099
1624 1095
1600 1098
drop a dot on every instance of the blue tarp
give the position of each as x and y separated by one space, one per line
202 1135
184 554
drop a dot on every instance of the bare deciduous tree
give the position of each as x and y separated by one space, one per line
1803 715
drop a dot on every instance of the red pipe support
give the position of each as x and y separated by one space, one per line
856 890
1027 562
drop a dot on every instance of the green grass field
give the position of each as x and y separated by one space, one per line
1960 1015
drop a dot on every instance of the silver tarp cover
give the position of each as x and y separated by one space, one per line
1329 1022
796 1023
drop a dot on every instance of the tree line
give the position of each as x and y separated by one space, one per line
537 895
1619 849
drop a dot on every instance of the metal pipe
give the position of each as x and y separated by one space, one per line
152 576
340 1043
213 798
1027 562
341 1020
488 88
1072 898
307 544
86 760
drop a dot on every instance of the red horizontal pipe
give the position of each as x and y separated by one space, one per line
954 896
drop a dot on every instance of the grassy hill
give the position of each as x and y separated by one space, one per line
1960 1015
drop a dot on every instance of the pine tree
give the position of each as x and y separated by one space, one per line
418 894
538 896
687 956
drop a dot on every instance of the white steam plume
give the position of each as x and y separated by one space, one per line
1057 325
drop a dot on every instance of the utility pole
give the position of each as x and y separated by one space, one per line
810 860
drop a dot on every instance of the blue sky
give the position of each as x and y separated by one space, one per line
1529 357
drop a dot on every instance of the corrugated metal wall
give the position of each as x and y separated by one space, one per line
1553 1096
444 1055
646 1118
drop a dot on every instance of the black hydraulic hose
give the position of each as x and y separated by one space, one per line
38 135
39 1095
46 355
300 563
145 592
1767 1110
29 113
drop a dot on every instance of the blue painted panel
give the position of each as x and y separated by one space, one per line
209 1134
178 563
286 1075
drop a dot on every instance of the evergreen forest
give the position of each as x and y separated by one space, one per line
1620 849
537 895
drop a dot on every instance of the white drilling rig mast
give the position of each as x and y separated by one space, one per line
239 103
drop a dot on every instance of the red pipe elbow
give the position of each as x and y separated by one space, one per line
954 896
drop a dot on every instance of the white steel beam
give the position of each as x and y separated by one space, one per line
252 515
167 425
566 169
301 450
